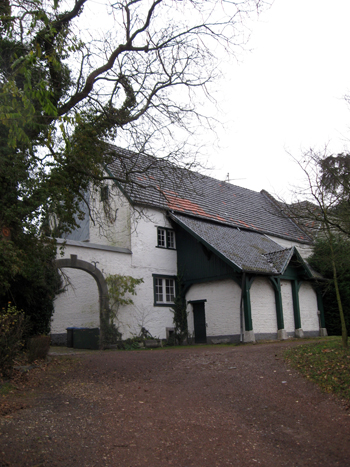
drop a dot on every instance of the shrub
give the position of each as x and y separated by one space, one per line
119 289
38 347
34 286
110 332
13 325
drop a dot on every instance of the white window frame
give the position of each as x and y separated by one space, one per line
164 290
166 238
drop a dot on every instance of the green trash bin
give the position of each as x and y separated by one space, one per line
70 337
83 338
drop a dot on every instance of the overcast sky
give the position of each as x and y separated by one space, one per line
287 94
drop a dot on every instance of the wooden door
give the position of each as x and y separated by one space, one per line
200 330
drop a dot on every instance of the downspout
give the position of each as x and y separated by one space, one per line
241 307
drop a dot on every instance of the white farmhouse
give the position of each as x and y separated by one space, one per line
240 259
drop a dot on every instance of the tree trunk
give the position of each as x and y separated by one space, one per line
344 332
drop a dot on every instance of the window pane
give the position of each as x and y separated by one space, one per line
159 290
161 238
169 290
104 193
171 238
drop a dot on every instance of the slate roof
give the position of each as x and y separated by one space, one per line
248 251
149 181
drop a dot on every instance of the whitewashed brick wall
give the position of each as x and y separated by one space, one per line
146 259
263 306
79 305
222 308
287 303
115 228
308 308
304 249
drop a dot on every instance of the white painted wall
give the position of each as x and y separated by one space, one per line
145 253
146 259
263 306
72 307
287 303
308 308
78 306
304 250
222 308
111 225
144 314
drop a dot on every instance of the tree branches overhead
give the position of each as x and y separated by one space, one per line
143 50
76 75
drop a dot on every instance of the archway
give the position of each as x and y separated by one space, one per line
75 263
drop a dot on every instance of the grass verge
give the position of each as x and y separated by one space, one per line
326 363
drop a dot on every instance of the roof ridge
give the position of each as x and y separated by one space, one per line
157 182
277 204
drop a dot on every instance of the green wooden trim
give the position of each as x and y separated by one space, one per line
208 246
165 276
276 282
320 307
296 304
303 264
247 304
188 283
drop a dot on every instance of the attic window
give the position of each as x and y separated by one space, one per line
104 193
166 238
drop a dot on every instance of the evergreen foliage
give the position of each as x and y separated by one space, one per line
65 95
322 262
13 327
180 314
325 215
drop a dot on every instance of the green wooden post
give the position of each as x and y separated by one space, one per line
247 305
278 298
296 305
320 307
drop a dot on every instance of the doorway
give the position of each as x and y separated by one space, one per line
200 328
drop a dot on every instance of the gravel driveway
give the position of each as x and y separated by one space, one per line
198 406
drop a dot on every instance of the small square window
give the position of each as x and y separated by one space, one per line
166 238
104 193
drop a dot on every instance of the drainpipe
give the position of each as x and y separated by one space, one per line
241 307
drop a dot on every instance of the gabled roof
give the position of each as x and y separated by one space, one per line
155 182
246 251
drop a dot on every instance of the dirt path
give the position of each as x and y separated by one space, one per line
200 407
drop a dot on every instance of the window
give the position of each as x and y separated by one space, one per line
166 238
164 290
104 193
161 238
170 239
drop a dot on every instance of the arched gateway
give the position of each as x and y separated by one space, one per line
75 263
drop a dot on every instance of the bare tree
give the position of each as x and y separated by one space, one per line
139 76
324 209
74 79
134 74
